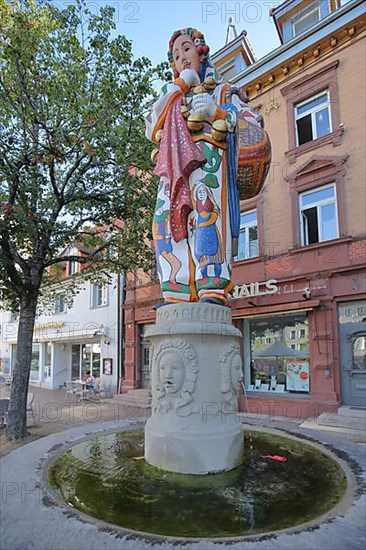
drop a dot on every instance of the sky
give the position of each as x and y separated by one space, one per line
150 23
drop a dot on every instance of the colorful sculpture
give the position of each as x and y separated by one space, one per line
197 217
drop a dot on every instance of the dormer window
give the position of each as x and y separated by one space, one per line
73 267
305 20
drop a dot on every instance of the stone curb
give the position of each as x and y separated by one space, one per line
32 519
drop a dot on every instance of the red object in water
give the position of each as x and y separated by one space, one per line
275 457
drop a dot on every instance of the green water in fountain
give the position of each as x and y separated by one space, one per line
107 477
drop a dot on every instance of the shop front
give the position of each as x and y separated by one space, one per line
304 332
281 376
61 353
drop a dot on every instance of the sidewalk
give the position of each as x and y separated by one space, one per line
48 523
53 414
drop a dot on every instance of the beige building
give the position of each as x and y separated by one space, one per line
299 273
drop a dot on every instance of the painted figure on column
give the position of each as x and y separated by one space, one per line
207 238
194 122
163 239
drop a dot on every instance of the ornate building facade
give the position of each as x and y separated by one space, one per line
299 273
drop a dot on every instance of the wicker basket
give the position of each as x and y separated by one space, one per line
254 158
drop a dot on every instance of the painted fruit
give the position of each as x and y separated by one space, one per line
195 122
154 155
158 136
185 111
219 130
199 90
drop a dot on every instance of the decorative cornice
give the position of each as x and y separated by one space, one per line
298 53
310 76
317 163
334 138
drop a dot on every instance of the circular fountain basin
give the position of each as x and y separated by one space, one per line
282 482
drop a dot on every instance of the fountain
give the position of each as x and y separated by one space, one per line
194 473
106 477
196 371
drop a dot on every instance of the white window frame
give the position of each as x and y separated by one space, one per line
313 112
303 15
59 298
95 293
73 267
318 204
244 228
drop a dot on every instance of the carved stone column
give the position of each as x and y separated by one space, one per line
196 372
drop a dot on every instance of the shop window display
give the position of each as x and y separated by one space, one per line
283 365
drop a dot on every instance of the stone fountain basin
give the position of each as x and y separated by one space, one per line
47 522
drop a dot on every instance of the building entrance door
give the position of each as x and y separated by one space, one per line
352 339
75 362
145 370
145 382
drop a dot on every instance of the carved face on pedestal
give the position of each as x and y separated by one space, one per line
171 372
236 373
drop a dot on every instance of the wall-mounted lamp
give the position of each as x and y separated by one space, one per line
306 293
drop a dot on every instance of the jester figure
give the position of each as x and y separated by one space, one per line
193 122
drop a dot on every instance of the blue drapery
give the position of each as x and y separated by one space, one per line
232 188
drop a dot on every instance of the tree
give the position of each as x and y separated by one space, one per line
72 100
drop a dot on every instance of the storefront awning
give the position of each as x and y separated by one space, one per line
267 311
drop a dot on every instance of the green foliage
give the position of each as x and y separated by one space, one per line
72 105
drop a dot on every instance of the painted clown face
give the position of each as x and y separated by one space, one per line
185 54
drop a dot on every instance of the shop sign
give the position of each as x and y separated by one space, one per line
51 324
258 288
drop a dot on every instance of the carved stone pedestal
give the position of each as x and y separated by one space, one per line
196 372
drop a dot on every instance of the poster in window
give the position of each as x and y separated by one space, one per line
297 376
107 366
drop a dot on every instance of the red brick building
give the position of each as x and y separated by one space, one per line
299 275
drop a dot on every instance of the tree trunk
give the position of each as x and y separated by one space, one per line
17 416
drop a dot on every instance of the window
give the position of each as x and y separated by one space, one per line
312 118
60 306
312 105
305 20
99 295
90 359
48 354
351 312
302 333
73 267
359 353
248 236
282 365
34 372
14 316
318 215
293 335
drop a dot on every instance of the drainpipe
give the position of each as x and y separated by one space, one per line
121 294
